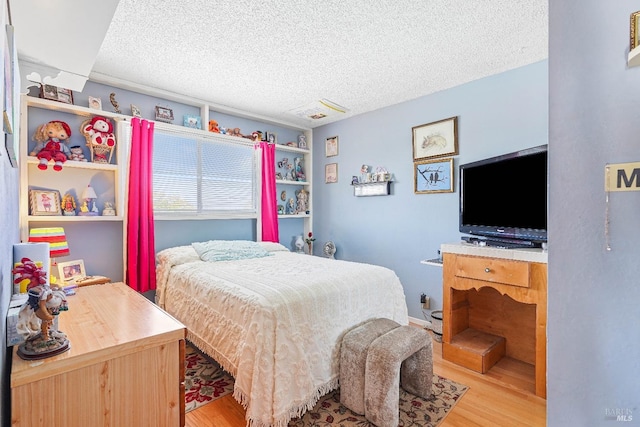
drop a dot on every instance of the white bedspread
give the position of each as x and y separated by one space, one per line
275 323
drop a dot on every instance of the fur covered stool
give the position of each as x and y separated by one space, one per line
353 360
401 357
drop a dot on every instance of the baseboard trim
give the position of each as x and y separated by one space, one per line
417 321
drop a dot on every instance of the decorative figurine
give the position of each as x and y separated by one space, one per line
116 106
299 244
303 201
108 209
68 205
291 207
89 207
77 154
51 138
299 172
36 316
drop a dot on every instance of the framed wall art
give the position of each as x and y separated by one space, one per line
331 146
331 173
634 27
433 176
71 271
435 139
56 94
44 202
194 122
164 114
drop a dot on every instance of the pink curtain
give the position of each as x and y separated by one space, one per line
141 274
269 200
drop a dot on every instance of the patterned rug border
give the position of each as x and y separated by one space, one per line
206 381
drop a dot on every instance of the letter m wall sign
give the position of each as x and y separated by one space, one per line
622 177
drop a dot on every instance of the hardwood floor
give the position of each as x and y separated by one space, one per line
504 396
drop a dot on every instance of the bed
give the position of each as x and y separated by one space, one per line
272 318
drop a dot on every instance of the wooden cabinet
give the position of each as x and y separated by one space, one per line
495 306
125 366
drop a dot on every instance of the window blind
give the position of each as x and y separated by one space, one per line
198 176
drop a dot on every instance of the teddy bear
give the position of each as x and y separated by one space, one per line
213 126
52 138
77 154
100 131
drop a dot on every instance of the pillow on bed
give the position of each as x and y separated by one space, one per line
229 250
273 246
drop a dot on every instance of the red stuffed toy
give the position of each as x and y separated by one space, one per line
52 145
100 130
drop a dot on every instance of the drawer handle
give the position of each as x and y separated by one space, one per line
487 270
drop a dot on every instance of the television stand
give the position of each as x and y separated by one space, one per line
495 306
498 242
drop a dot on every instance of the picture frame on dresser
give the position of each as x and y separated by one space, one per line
44 202
71 270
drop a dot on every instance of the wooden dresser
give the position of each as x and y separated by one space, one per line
495 305
125 366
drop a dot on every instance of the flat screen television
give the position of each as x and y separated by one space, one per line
504 198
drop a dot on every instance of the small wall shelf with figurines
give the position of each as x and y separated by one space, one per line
64 150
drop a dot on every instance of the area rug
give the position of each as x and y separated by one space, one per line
205 382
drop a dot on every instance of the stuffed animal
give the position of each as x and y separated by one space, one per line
100 131
213 126
51 138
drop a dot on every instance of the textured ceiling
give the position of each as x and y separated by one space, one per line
269 57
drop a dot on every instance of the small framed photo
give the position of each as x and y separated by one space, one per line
635 27
164 114
433 176
71 271
44 202
55 93
135 111
272 138
435 139
331 173
192 121
95 103
331 146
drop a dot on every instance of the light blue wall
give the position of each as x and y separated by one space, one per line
496 115
594 317
8 236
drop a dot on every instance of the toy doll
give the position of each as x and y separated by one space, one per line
52 138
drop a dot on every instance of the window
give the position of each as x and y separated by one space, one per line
202 176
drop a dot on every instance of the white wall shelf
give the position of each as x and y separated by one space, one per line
372 189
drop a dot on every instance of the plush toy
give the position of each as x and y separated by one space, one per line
77 154
213 126
100 130
51 138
